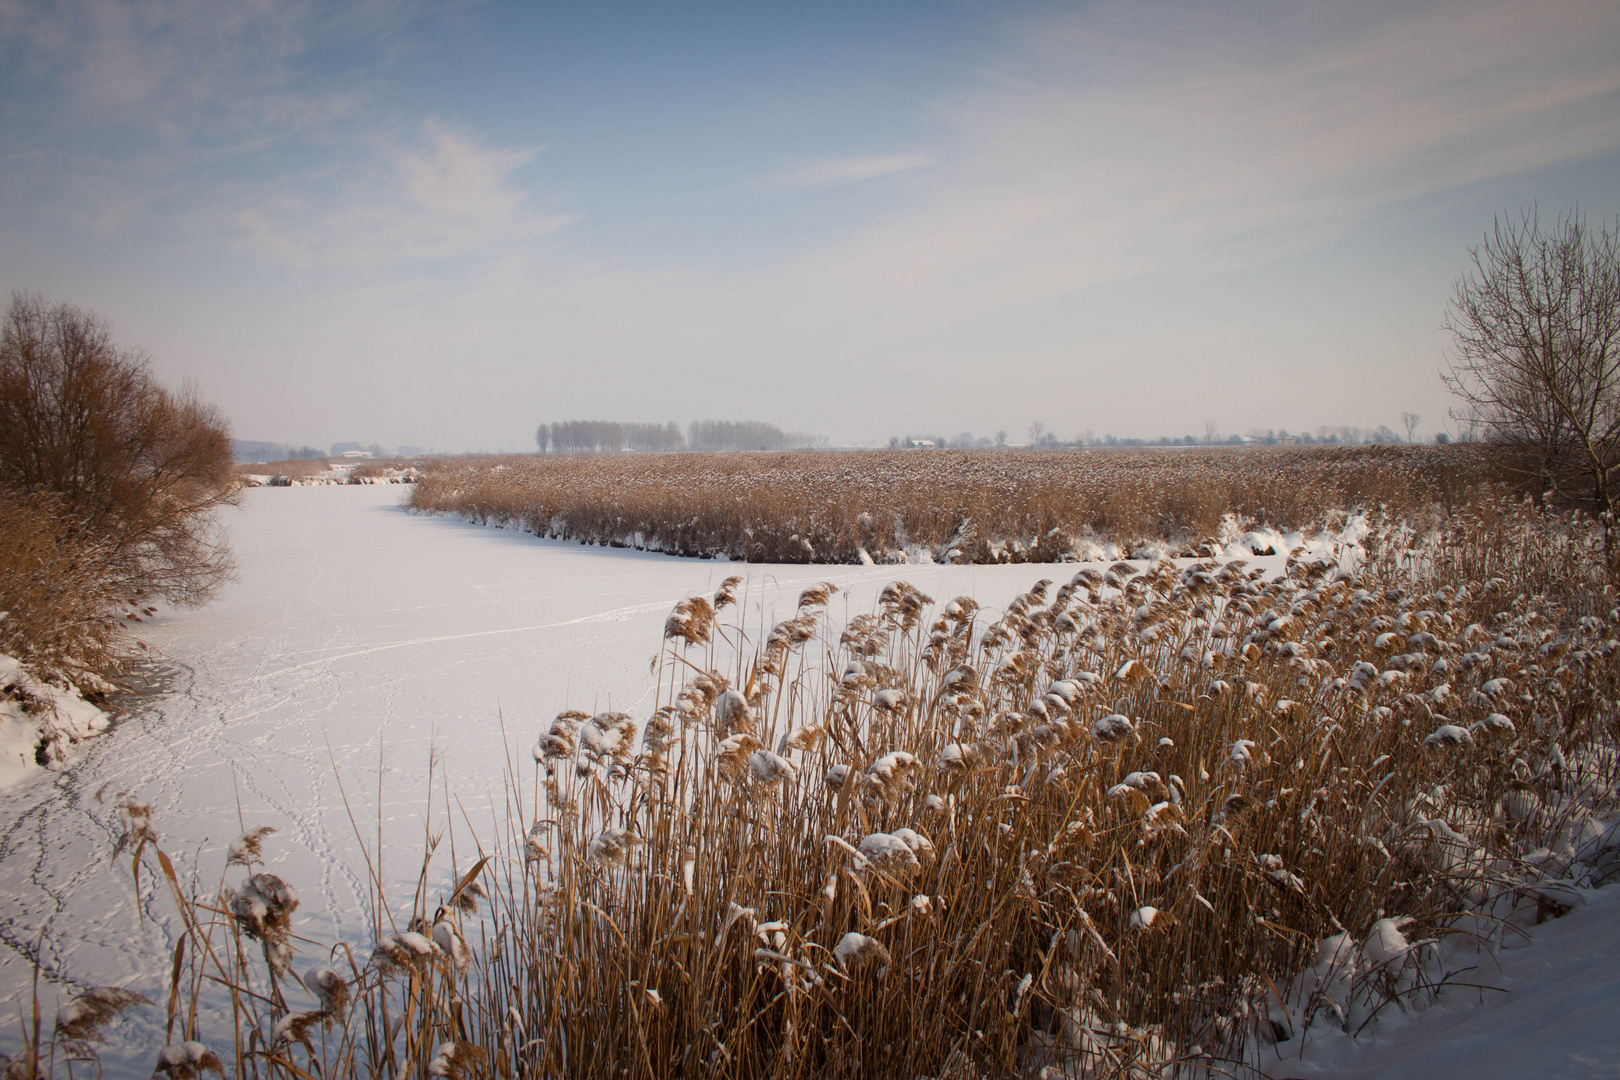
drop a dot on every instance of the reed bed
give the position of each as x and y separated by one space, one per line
1151 820
287 467
981 506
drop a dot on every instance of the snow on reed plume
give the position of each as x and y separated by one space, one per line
980 506
1175 816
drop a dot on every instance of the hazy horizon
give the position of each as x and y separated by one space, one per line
443 224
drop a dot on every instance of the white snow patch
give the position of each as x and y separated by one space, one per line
1545 1009
39 720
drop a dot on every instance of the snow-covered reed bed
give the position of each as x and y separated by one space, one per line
326 472
1149 819
965 506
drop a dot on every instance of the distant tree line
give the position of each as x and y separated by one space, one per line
595 436
747 435
611 436
250 450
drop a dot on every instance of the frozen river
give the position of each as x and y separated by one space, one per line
361 642
358 642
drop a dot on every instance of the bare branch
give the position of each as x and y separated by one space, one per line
1535 322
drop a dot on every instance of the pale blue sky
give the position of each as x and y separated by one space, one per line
442 223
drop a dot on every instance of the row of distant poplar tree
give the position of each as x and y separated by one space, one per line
597 436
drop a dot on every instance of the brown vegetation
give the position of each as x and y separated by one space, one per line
390 470
62 614
290 467
320 472
969 506
1101 830
112 478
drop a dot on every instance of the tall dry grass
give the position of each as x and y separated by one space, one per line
979 506
1151 820
289 467
64 606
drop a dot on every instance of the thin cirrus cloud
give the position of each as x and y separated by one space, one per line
835 170
182 67
199 122
445 195
1105 147
1099 147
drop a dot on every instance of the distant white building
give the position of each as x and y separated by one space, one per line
357 453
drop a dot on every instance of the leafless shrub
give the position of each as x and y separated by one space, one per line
64 617
1536 326
130 470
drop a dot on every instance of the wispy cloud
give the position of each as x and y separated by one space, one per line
1090 145
181 67
842 169
444 195
1123 140
227 130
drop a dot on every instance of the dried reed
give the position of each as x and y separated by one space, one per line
969 506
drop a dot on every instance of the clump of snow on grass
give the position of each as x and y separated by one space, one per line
1339 542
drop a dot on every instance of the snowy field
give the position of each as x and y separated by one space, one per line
361 643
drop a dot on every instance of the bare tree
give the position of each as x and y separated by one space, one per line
1536 325
1410 421
136 468
1037 433
1210 431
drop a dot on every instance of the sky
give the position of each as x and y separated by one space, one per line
437 223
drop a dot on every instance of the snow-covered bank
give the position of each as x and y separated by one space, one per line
334 475
40 723
1340 541
1547 1006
